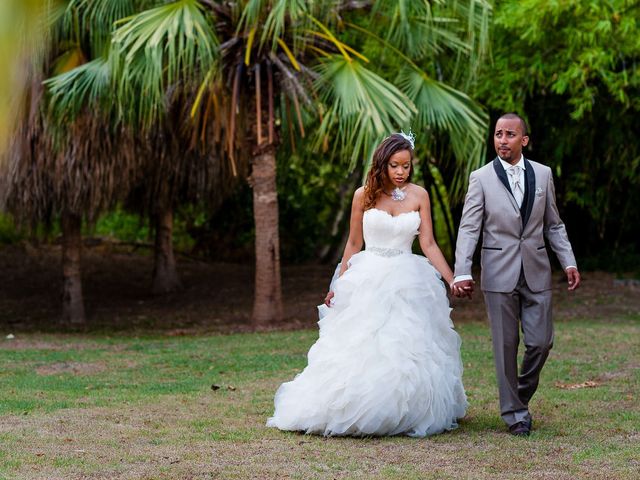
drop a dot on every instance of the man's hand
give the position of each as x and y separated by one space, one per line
463 288
327 299
573 277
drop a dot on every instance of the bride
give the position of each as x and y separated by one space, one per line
388 359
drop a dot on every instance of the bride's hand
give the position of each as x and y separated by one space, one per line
462 289
327 299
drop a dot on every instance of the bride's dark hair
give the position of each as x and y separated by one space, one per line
377 175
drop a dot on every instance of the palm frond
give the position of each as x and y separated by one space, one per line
362 107
273 18
97 18
158 48
424 30
281 13
332 37
416 29
445 109
250 14
86 86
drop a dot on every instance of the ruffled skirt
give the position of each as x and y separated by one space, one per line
387 360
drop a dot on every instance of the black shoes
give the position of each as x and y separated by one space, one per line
520 429
530 424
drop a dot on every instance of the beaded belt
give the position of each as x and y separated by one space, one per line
386 252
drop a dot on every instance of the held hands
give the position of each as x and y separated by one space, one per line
573 278
463 289
327 299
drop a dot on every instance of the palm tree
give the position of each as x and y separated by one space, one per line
71 157
67 173
66 167
258 63
177 152
71 160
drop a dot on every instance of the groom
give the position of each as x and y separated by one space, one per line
511 201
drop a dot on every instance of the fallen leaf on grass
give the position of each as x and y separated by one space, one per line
218 387
574 386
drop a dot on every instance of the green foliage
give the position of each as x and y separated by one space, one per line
131 228
432 51
362 106
123 226
357 101
441 213
573 69
624 262
155 49
351 76
310 193
581 51
119 225
72 91
227 234
9 234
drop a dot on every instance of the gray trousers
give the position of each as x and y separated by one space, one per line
532 310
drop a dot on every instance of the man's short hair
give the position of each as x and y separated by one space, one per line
515 116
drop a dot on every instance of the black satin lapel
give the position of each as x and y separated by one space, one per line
502 175
529 194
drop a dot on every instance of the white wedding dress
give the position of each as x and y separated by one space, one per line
388 359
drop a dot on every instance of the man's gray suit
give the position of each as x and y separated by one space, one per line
516 274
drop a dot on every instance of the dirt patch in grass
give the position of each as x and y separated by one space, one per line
214 436
627 370
217 297
75 368
57 345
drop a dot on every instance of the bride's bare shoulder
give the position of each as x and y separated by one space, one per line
358 198
418 190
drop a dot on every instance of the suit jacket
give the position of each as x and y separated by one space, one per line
513 238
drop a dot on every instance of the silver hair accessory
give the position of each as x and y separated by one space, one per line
410 137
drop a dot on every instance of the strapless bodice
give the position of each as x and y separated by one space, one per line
387 234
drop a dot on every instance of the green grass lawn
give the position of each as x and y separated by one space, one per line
76 406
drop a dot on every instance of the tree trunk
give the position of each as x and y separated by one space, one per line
267 306
165 276
72 302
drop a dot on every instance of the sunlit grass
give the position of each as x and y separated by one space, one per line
144 407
